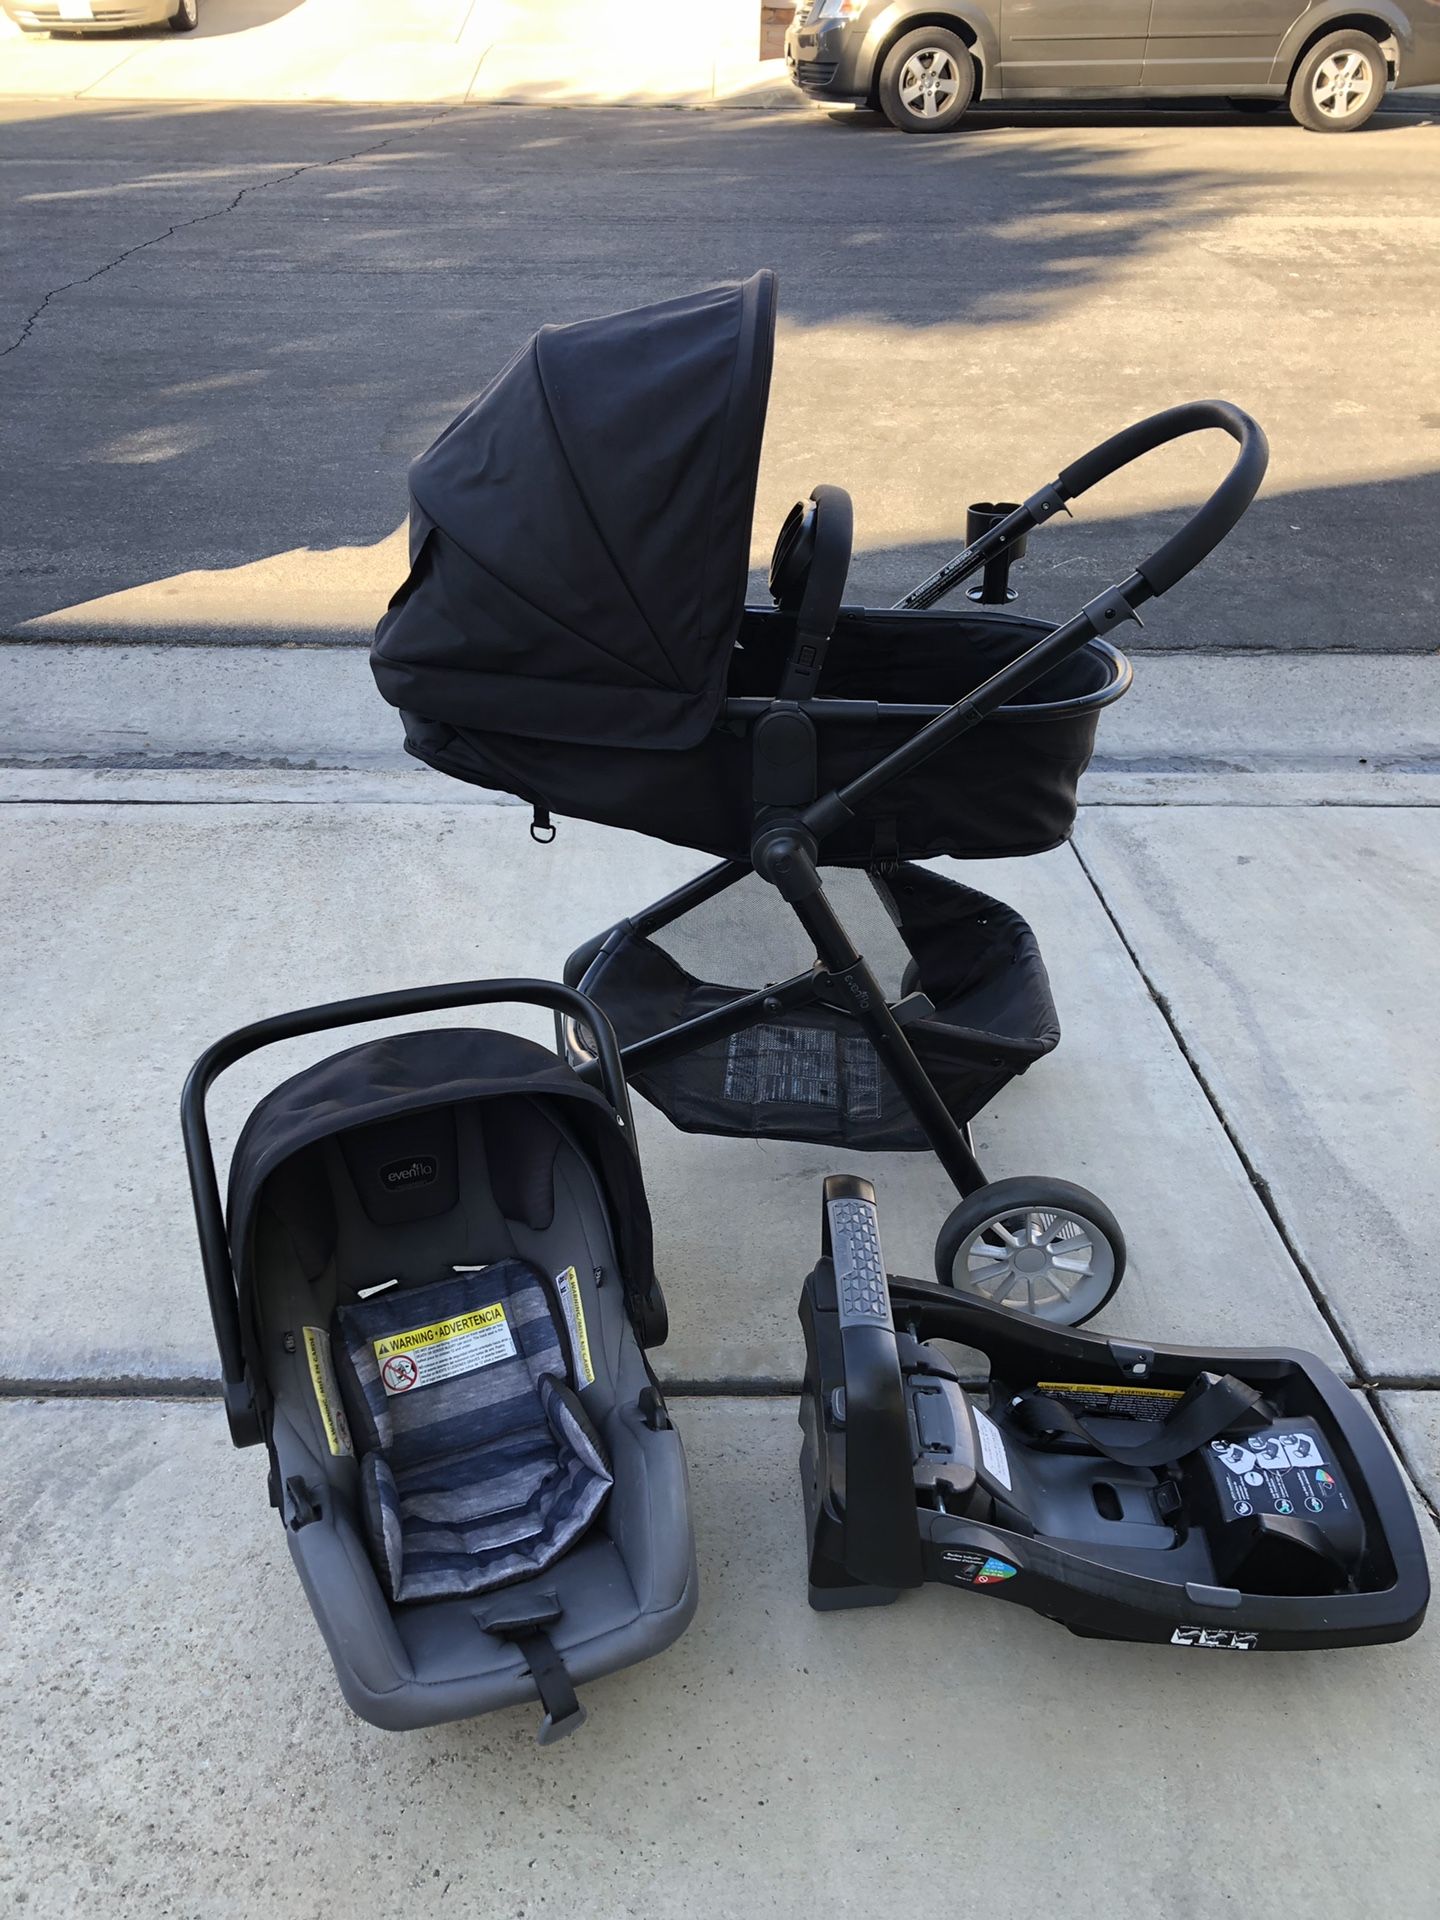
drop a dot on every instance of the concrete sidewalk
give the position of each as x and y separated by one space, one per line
176 1747
441 52
191 1717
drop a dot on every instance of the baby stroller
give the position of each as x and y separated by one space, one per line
573 631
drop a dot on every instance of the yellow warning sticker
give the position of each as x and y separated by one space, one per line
1122 1402
1077 1386
423 1356
327 1391
573 1307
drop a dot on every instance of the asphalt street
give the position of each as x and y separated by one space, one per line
227 331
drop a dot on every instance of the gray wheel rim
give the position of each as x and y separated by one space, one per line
929 81
1342 80
1055 1264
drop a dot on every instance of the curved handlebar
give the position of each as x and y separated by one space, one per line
1207 527
215 1250
1200 535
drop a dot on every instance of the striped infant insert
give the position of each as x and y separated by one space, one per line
479 1466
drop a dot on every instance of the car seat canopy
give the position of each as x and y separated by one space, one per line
436 1070
580 534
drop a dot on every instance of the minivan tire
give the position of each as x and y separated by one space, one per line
938 103
186 17
1349 68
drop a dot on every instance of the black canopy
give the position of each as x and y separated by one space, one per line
579 536
438 1067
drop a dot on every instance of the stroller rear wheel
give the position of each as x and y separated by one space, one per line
1033 1245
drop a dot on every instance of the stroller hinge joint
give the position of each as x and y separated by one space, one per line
784 854
1109 610
855 982
1045 504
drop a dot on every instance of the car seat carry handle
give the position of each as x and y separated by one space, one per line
1184 551
215 1249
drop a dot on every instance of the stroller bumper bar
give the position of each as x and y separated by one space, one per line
217 1255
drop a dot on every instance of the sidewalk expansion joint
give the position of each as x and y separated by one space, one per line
202 1388
1369 1386
32 320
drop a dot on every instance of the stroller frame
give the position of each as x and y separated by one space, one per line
791 820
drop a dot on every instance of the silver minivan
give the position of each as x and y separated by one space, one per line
101 16
922 62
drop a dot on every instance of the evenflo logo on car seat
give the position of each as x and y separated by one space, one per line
418 1171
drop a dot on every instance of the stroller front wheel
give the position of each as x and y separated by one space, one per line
1033 1245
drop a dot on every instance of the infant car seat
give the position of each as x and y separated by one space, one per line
442 1276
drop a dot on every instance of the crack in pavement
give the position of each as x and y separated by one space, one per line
1366 1383
216 213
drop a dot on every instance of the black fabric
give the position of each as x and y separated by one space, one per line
1005 789
435 1068
298 1198
520 1152
811 1073
406 1168
580 534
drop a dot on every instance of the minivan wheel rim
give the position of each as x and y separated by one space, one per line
929 82
1341 82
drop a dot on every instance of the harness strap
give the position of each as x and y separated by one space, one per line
524 1619
1222 1404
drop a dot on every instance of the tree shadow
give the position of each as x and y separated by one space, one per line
1395 110
230 331
1343 568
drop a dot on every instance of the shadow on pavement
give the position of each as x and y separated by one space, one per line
1395 110
228 331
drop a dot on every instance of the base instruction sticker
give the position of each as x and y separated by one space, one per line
1277 1472
423 1356
327 1391
973 1567
573 1307
1228 1639
992 1449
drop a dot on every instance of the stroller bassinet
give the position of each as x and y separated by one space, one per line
573 630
